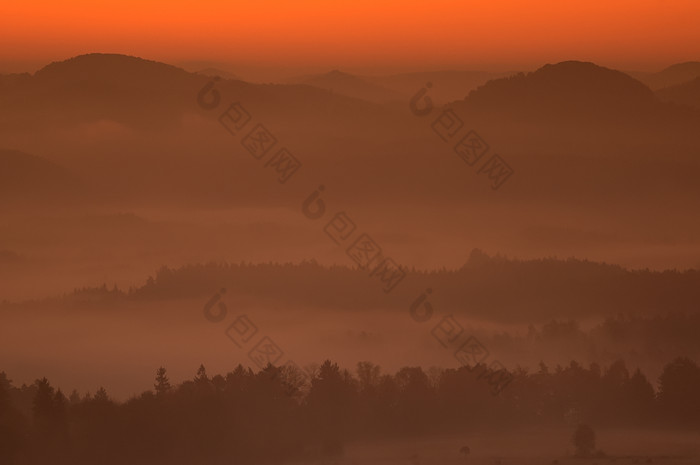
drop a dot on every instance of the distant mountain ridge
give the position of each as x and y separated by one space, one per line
138 92
449 85
489 287
349 85
671 76
147 113
146 93
687 93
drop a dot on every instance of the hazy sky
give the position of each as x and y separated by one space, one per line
509 34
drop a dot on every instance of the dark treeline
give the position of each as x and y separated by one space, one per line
281 413
496 288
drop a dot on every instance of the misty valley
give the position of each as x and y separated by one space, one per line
429 267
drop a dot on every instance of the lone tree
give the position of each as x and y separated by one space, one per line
201 377
162 384
584 441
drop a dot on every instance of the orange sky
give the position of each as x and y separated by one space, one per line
342 33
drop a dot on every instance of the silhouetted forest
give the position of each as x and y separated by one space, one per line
284 412
537 290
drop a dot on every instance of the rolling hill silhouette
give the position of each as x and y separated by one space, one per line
147 94
93 87
348 138
107 68
567 90
687 93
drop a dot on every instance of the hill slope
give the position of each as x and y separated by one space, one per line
26 178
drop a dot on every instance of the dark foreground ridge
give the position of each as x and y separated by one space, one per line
286 413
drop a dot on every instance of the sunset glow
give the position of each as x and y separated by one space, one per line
359 33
